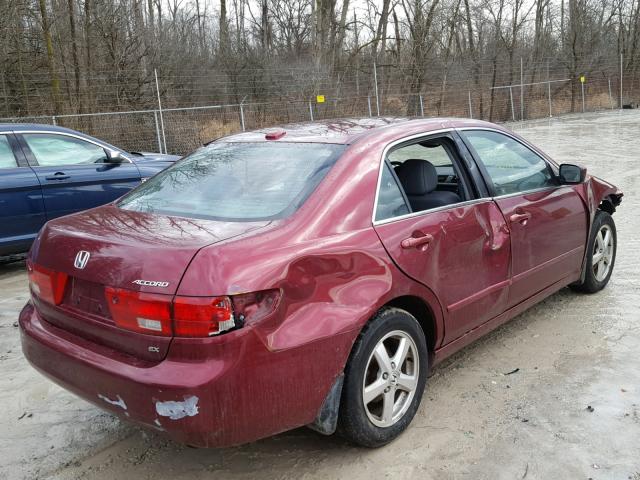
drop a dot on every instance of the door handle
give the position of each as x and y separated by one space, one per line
58 176
414 242
521 218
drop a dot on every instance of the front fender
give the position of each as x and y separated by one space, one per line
598 193
602 191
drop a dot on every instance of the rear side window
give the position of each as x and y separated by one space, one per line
391 202
7 160
236 181
511 166
52 150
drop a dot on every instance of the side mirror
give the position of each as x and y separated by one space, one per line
114 156
572 174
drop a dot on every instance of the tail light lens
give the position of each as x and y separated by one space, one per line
202 316
46 284
155 314
147 313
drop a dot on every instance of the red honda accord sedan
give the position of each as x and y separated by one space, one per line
308 275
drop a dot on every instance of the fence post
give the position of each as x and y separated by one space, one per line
4 94
470 109
610 97
242 117
549 90
53 120
164 139
513 111
421 106
522 89
621 59
582 85
310 111
155 120
375 80
369 103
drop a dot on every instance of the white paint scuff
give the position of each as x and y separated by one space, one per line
177 410
118 402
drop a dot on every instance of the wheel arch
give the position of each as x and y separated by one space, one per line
423 313
326 419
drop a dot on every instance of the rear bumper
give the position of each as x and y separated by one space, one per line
239 391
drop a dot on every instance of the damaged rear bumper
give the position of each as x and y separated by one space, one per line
230 393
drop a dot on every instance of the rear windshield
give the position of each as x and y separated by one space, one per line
236 181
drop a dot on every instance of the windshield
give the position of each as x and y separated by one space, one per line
236 181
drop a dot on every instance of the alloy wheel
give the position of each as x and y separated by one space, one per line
391 378
603 249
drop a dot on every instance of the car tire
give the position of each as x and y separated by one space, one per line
398 387
601 254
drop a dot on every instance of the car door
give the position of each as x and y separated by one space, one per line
461 251
75 173
548 221
21 206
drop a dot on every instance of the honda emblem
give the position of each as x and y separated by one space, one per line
82 257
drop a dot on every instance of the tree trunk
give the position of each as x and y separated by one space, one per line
200 21
51 64
384 15
88 47
342 30
264 25
224 28
74 53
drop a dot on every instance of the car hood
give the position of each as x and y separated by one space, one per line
127 246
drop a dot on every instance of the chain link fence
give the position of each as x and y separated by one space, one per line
180 130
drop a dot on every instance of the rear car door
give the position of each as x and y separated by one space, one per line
75 173
21 206
457 245
548 221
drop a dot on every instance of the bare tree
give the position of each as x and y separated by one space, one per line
92 55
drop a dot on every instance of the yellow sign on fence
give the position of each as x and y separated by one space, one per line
320 98
582 79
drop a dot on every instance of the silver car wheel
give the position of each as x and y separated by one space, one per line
391 378
603 250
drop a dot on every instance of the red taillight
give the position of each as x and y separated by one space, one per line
148 313
202 317
156 314
47 284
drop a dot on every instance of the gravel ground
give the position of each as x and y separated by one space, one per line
571 411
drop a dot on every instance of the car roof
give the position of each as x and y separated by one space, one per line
349 130
8 127
38 127
339 131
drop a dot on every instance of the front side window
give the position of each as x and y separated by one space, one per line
52 150
511 166
237 181
391 203
7 159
